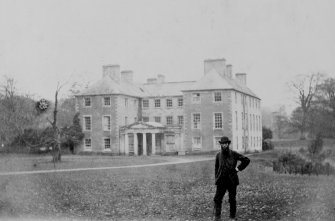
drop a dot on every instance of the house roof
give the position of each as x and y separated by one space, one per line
107 85
214 81
211 81
166 89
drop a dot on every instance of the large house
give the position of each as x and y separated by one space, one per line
159 117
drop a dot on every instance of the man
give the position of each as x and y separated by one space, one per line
226 178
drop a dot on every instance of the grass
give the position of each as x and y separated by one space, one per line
173 192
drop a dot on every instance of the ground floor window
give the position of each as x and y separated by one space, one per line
88 143
107 143
196 142
217 145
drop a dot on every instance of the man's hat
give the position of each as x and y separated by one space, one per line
224 140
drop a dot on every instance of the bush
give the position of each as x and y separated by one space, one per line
292 163
267 145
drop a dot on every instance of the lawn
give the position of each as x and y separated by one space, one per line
172 192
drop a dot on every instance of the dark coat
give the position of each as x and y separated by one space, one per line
225 164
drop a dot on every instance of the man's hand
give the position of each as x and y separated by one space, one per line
237 170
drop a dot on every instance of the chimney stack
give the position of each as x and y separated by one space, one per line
241 77
127 76
229 71
219 65
113 71
160 79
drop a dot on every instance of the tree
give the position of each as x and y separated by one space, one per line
267 133
306 88
73 135
17 111
324 110
280 122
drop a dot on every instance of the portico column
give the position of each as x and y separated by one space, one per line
135 145
153 143
126 144
144 144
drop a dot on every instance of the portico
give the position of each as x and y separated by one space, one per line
142 138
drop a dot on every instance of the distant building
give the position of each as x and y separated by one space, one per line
158 117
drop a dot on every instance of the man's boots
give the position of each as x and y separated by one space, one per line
217 211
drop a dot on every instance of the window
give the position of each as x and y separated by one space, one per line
87 123
145 119
196 97
87 102
135 119
236 120
196 121
107 101
157 102
169 120
107 143
170 139
236 143
250 122
126 102
217 97
106 123
135 103
158 119
217 145
180 102
217 120
125 120
235 97
196 142
169 102
180 120
88 143
145 103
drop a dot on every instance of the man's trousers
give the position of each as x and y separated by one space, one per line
221 189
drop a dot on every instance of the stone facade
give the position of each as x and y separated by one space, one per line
161 117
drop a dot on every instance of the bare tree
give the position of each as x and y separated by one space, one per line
306 87
17 111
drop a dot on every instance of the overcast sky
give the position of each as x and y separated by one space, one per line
43 41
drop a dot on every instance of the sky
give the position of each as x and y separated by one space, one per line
43 42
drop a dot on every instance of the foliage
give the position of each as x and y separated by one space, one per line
17 111
305 86
267 133
289 162
72 136
267 145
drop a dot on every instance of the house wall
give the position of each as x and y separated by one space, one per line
163 111
247 132
207 107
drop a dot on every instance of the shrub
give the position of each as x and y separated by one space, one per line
267 145
293 163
